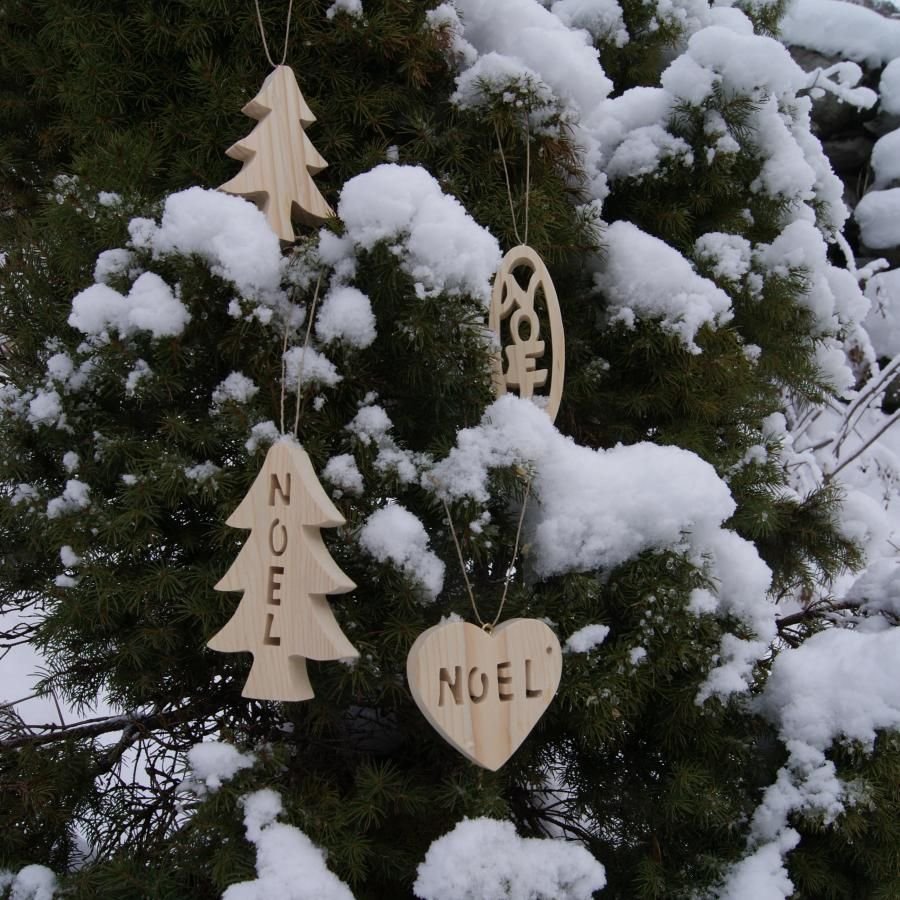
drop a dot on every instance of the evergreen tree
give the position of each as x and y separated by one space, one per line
158 341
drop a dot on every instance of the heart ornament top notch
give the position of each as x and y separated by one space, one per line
484 691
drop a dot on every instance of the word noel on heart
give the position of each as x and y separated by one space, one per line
477 685
285 571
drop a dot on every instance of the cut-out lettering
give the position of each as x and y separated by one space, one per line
275 486
529 690
271 639
485 684
275 573
283 538
455 685
502 679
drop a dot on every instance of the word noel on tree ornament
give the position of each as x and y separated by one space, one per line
285 571
279 159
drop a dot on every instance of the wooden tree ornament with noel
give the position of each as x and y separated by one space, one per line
285 571
279 159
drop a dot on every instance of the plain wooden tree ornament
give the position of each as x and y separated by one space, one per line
285 571
279 159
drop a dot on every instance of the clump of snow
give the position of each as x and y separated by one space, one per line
746 63
885 159
644 150
393 534
261 435
71 461
228 232
596 508
602 19
729 255
351 8
30 883
304 365
112 263
761 875
346 315
68 557
586 639
564 58
644 278
889 87
636 655
371 424
75 497
150 305
234 388
139 371
878 217
288 865
838 683
215 762
485 858
45 408
437 242
202 471
494 74
445 17
344 474
836 28
109 198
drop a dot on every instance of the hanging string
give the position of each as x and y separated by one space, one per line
512 206
510 571
300 368
509 196
284 343
527 171
262 32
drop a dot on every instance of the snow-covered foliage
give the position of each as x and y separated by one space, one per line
394 534
485 858
30 883
288 864
591 510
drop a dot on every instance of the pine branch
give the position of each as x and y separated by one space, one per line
813 612
132 726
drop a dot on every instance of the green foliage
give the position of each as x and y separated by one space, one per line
142 98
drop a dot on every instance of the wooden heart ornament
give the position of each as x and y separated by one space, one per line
484 691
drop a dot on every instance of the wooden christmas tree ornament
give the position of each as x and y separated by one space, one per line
279 159
484 690
517 304
285 571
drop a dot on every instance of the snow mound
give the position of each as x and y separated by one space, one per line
439 245
485 858
393 534
229 233
288 865
644 278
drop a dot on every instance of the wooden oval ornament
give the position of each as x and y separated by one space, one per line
484 692
511 301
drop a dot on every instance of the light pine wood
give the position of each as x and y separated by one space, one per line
482 692
279 159
285 571
510 301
